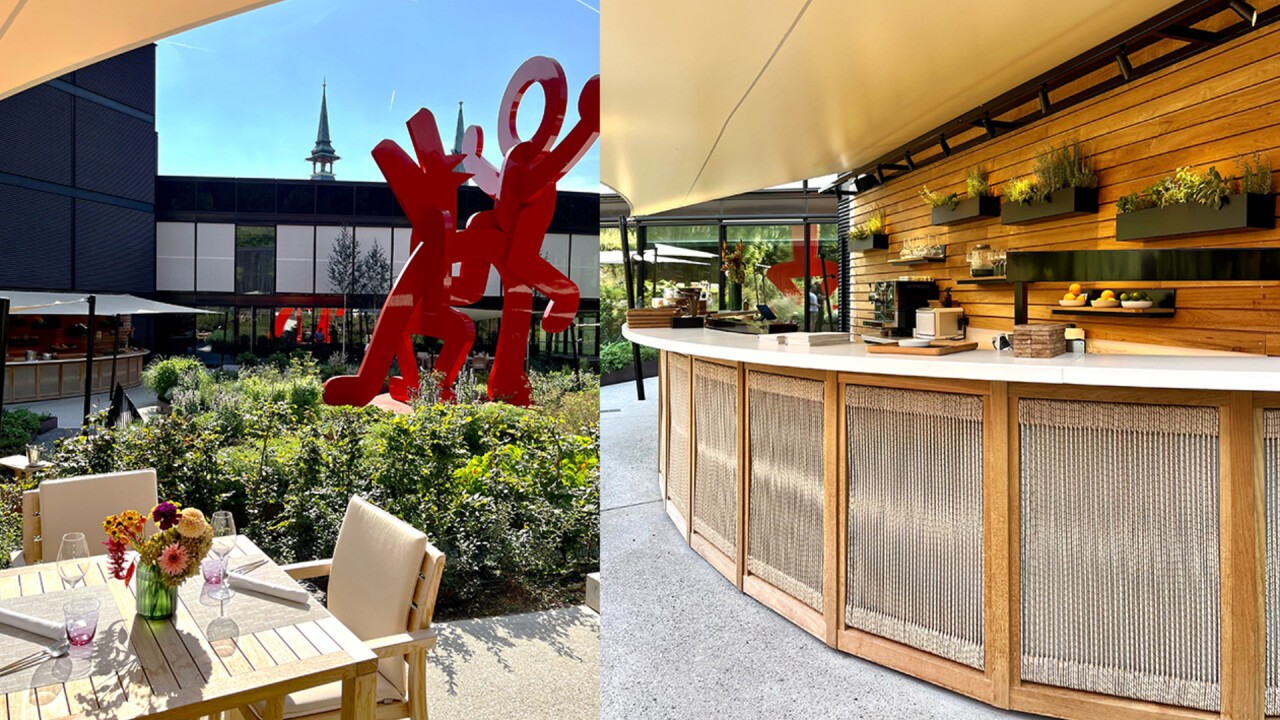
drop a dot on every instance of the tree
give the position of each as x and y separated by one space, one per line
344 274
373 277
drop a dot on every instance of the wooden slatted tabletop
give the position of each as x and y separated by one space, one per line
183 667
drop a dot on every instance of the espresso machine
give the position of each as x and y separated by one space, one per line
894 304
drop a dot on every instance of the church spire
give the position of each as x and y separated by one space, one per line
322 155
457 138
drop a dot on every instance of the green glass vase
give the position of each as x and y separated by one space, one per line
733 296
156 600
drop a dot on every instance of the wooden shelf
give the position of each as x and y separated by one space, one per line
1116 311
917 261
991 280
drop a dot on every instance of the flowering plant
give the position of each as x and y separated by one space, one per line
733 264
176 551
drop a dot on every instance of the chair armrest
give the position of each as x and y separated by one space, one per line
401 644
309 569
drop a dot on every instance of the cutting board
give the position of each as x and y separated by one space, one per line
939 347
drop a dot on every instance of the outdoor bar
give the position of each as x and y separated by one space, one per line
1082 537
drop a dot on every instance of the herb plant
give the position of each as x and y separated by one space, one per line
1020 190
1182 187
976 182
1255 175
949 200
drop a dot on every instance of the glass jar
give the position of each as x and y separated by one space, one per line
981 261
156 600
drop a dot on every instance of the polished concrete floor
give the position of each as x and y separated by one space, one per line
679 641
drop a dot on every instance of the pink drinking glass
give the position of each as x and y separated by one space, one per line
82 620
211 569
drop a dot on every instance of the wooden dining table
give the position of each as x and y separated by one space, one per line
211 656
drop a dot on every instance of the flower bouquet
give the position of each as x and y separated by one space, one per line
165 559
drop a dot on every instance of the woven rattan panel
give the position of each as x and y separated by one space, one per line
1271 462
784 546
715 487
678 446
1120 545
915 519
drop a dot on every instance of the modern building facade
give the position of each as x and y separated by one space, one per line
82 208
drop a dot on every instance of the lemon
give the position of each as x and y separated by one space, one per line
1068 296
1108 295
1074 289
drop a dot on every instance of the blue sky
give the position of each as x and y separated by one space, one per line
241 97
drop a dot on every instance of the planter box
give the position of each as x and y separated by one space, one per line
1238 212
648 368
47 424
1065 202
875 242
967 210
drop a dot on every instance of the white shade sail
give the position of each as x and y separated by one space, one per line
702 100
52 303
42 39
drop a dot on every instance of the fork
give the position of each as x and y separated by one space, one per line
57 649
248 567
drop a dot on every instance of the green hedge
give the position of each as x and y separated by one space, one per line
16 430
617 355
510 495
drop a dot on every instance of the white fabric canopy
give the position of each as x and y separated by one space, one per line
51 303
706 99
614 257
42 39
676 251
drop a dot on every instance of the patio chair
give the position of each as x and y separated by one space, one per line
78 504
383 571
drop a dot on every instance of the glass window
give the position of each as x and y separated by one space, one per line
681 256
334 199
175 195
773 257
255 259
257 197
296 198
826 279
373 200
216 196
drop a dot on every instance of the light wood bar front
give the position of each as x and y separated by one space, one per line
1142 512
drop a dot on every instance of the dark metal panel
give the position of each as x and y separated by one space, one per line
128 78
115 154
115 248
35 135
35 239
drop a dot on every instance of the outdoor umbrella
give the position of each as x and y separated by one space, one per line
706 99
43 39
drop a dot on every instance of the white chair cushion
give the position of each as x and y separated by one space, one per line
325 698
80 504
375 571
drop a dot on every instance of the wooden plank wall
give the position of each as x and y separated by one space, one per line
1207 111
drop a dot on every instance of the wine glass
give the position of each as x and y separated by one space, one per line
224 540
72 556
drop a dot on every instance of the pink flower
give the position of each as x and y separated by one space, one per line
173 560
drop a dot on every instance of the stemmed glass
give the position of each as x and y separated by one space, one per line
72 556
224 540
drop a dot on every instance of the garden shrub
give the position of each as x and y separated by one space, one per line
17 427
163 377
617 355
509 494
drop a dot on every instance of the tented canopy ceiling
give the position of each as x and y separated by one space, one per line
706 99
52 303
42 39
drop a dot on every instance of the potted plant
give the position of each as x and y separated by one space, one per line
1189 202
949 209
870 235
1064 185
734 266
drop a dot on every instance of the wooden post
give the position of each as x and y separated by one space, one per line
1000 541
1243 560
831 506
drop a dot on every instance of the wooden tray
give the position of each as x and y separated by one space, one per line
939 347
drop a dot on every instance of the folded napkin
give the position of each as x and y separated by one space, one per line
38 626
292 593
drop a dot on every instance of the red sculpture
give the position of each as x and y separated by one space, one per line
785 275
449 267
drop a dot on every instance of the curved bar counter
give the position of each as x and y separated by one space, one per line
34 380
1091 536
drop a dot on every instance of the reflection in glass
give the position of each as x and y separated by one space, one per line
255 259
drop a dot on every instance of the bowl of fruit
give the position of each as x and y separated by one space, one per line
1135 299
1106 300
1075 297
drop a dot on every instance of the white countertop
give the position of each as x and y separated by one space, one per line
1189 372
